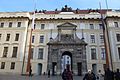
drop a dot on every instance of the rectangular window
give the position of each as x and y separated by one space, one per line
17 37
93 53
33 39
116 24
5 51
10 24
118 37
42 26
32 52
103 55
0 36
19 24
12 65
41 39
91 26
119 52
15 49
2 25
8 37
40 53
2 65
101 38
34 26
92 37
100 26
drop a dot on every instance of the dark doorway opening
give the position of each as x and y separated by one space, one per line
54 65
79 66
39 68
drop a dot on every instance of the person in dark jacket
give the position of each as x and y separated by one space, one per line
89 76
117 75
48 73
109 75
69 75
30 72
64 74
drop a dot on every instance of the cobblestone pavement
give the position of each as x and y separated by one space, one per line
35 77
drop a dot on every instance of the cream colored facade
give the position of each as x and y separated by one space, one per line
49 23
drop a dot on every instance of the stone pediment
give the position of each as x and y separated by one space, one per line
67 24
67 35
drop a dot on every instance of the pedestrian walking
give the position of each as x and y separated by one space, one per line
69 75
64 74
117 75
109 75
30 72
48 73
89 76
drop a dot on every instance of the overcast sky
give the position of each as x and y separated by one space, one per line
28 5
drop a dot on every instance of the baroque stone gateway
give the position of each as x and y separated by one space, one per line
67 43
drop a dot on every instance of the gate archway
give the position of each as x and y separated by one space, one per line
66 59
67 45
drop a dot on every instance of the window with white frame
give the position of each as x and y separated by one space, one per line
92 37
103 55
116 24
10 24
0 36
5 51
118 37
93 54
40 53
8 37
100 26
33 38
15 49
2 65
34 25
2 25
42 26
101 38
119 52
91 26
41 39
12 65
19 24
17 37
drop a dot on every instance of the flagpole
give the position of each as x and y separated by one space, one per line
30 42
105 38
110 55
29 53
24 52
106 4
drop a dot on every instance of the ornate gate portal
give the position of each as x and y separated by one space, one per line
67 44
